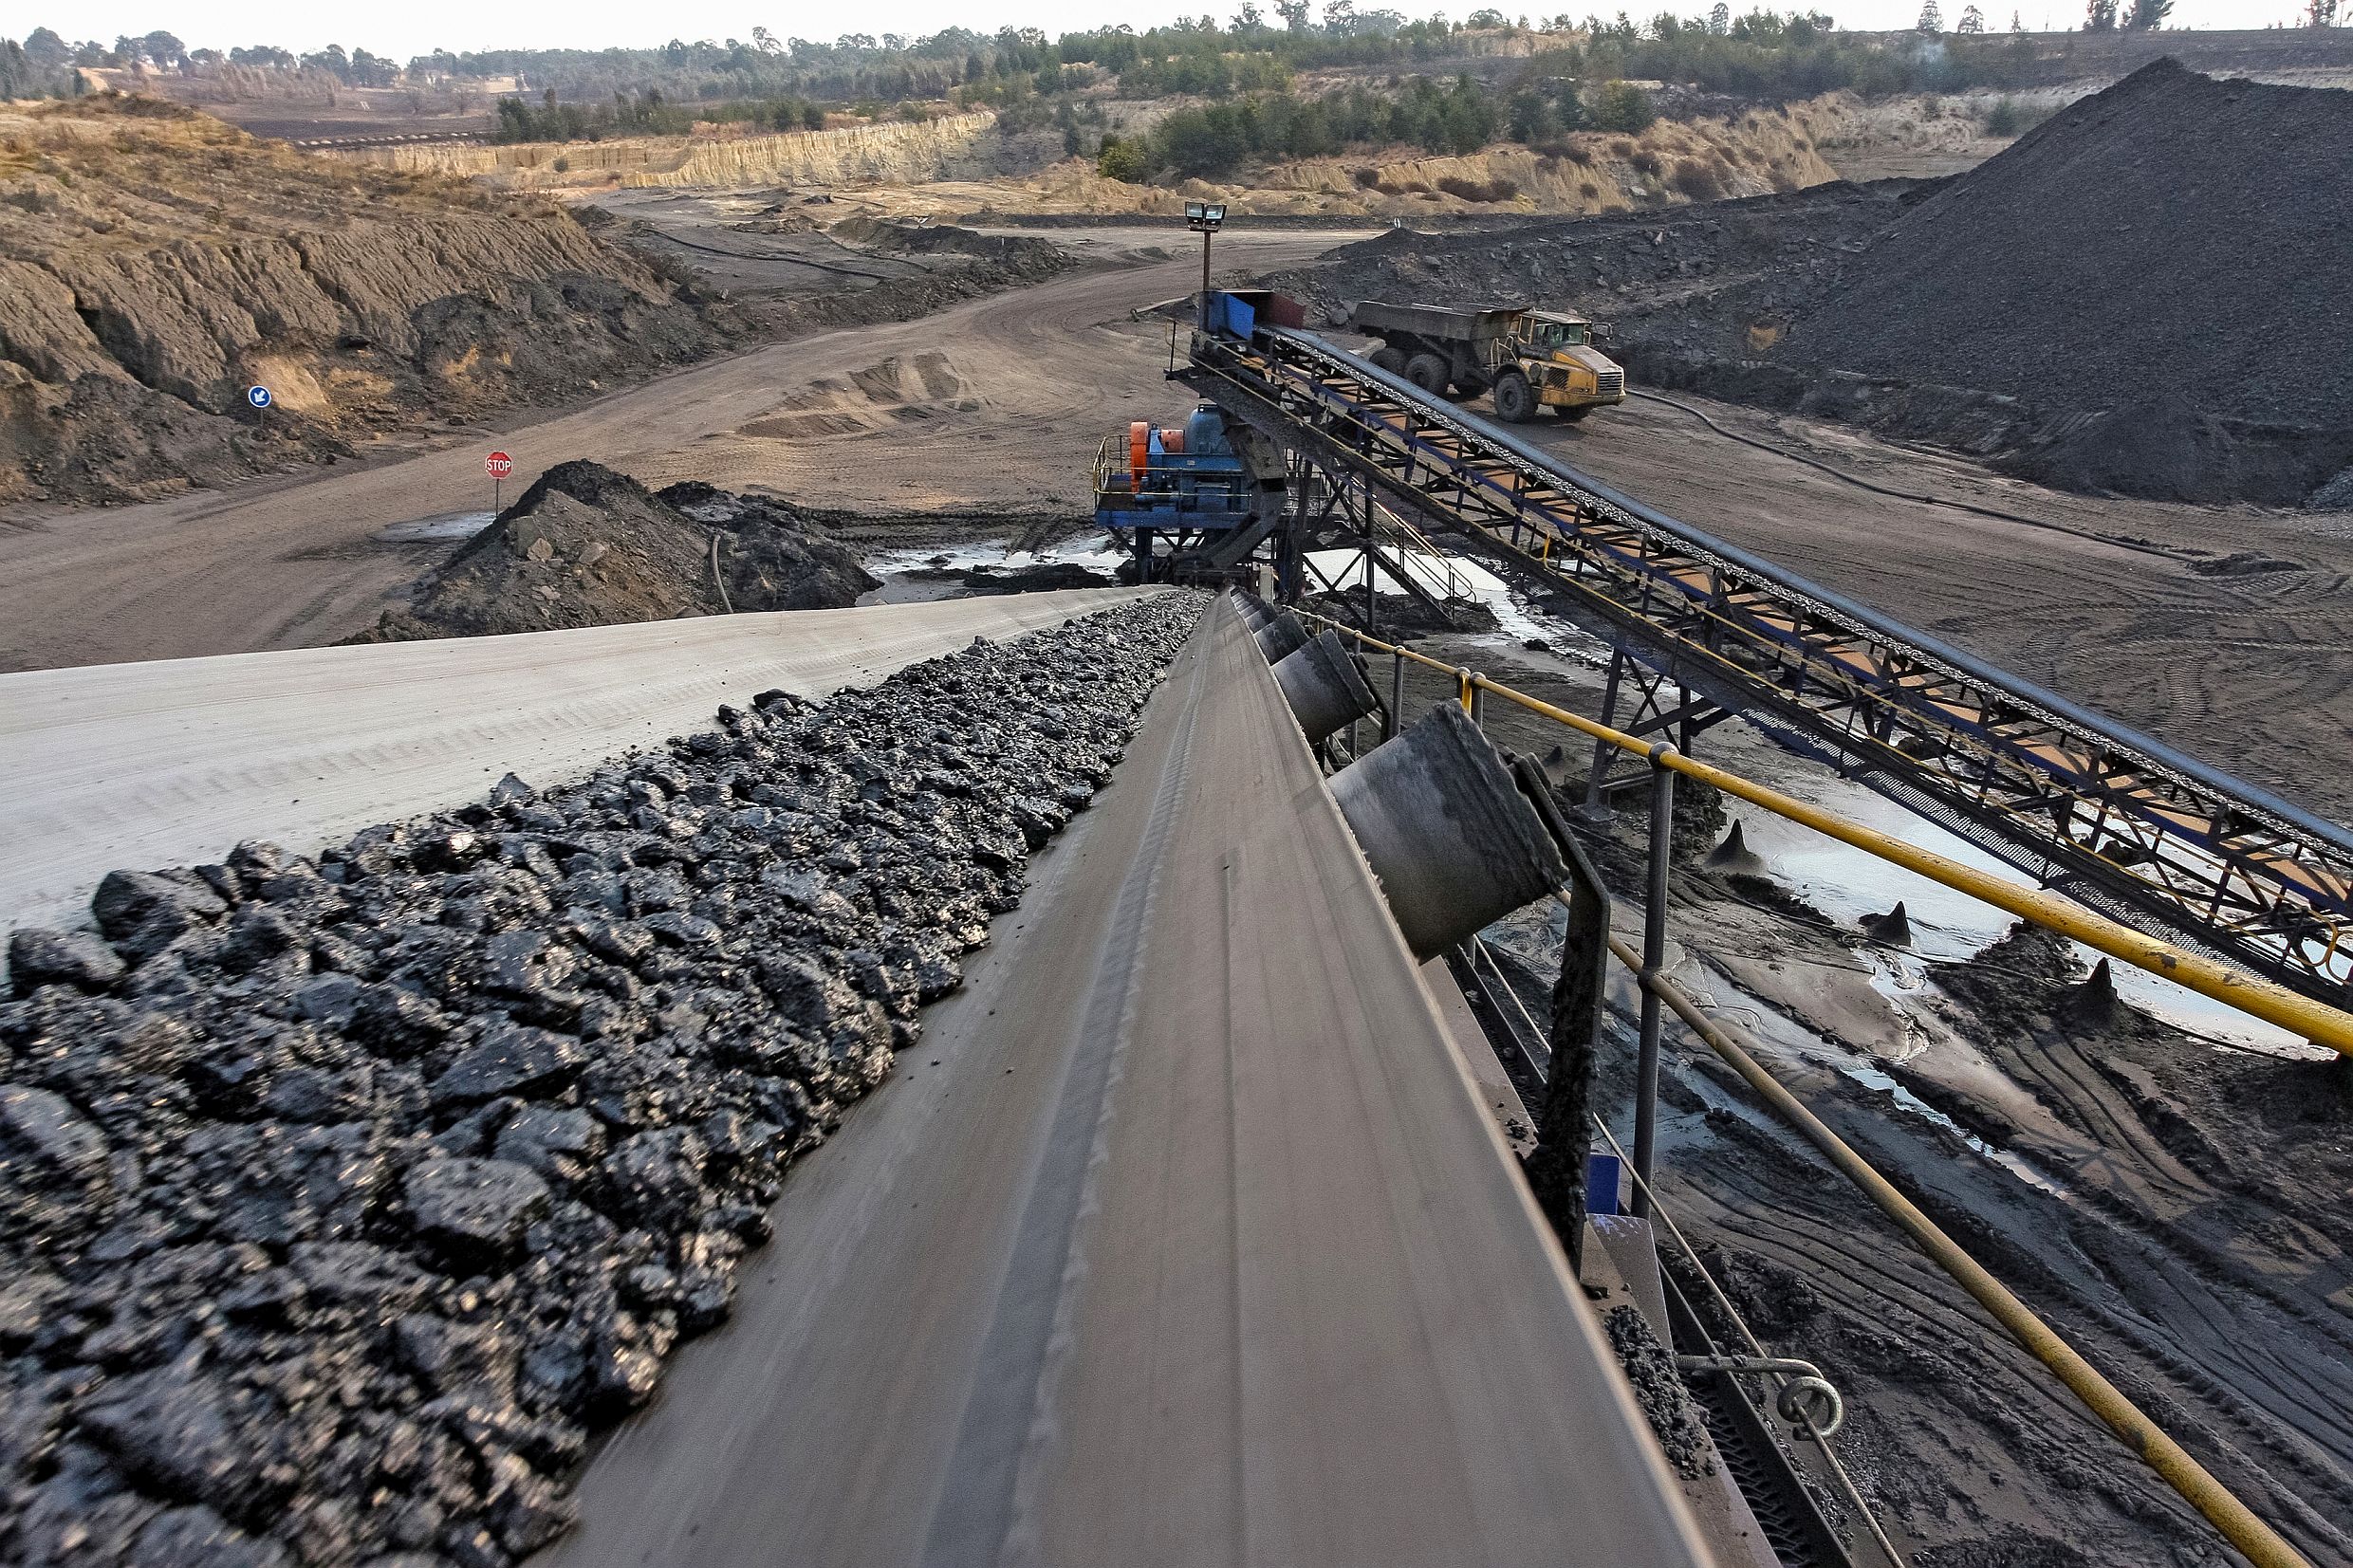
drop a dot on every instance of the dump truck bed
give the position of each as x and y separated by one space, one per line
1426 321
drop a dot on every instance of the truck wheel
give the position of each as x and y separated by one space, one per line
1430 373
1390 359
1515 401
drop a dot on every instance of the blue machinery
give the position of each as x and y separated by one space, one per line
1703 630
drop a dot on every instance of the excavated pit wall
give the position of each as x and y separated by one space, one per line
887 151
342 1200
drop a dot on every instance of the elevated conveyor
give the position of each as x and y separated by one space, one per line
173 761
1184 1239
2114 819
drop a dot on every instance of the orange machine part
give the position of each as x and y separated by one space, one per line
1139 447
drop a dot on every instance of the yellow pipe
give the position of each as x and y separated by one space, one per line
2234 987
2261 1544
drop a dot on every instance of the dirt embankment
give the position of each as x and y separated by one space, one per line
890 152
588 546
2027 311
155 264
1671 163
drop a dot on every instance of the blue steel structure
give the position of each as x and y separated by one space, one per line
1173 490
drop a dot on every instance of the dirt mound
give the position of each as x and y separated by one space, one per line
2172 229
588 546
155 265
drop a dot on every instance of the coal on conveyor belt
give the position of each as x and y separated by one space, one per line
342 1199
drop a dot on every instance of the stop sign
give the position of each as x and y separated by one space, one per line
500 464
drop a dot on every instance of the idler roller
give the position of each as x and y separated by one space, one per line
1325 686
1281 636
1454 844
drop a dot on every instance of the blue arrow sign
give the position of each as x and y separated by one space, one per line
258 396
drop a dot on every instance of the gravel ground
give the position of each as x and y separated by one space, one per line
341 1202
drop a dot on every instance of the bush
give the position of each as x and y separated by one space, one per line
1122 160
562 166
2008 117
1472 190
1698 180
1621 106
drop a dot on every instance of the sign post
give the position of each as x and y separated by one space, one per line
258 396
500 465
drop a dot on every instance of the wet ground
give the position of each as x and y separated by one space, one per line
2162 1180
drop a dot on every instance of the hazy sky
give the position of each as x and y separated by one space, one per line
421 25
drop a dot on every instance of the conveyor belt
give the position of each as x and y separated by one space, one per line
2112 818
171 761
1183 1239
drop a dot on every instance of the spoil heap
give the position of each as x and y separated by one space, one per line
156 262
588 546
342 1199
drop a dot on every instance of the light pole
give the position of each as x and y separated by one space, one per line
1203 219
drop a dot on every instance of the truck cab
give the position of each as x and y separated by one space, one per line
1563 367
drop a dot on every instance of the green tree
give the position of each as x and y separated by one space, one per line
1122 160
1623 106
2147 15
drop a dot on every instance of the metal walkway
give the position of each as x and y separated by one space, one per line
2113 819
1185 1238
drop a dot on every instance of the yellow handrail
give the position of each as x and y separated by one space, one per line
2235 987
2259 1542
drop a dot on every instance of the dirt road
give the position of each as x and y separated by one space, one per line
995 403
2248 667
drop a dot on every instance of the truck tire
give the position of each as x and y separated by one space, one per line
1390 359
1430 373
1515 401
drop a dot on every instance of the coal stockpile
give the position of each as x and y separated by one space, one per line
342 1199
588 546
2174 236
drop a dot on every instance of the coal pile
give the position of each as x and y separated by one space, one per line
342 1199
2149 294
2174 233
588 546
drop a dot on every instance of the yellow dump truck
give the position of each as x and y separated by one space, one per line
1530 359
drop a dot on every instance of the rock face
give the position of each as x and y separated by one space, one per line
335 1220
588 546
134 315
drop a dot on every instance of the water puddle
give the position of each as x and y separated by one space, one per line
1453 577
1784 1037
914 574
1847 883
426 530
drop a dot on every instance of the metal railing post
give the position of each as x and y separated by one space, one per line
1394 720
1654 955
1476 704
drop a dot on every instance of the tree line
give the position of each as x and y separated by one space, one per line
1439 117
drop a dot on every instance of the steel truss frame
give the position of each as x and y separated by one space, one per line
2089 808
